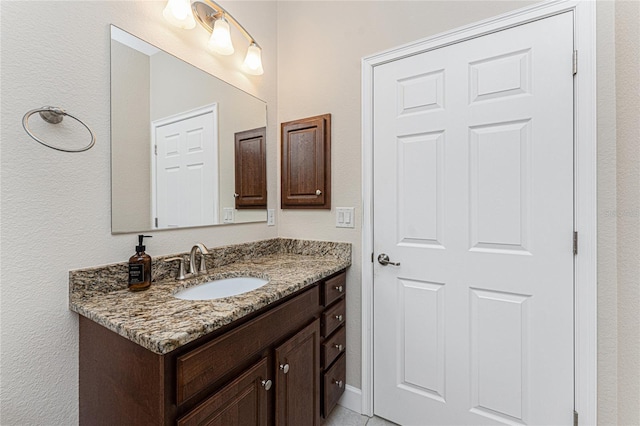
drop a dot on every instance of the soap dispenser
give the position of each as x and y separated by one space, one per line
140 267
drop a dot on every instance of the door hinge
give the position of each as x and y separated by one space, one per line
155 149
575 418
156 222
575 242
371 257
575 62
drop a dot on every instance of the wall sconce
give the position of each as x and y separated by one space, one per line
215 19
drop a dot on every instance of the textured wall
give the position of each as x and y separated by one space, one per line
628 208
607 270
56 206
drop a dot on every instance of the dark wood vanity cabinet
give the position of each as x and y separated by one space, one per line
284 365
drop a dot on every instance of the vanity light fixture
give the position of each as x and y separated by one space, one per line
215 19
179 14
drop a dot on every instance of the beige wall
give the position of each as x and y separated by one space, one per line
627 63
56 206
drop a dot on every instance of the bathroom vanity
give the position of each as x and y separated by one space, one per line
275 355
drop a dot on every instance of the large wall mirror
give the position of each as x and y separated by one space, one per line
173 139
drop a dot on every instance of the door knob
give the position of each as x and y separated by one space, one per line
266 384
383 259
284 368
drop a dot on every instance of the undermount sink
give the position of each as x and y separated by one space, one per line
217 289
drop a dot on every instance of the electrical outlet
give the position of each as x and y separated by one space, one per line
271 217
345 217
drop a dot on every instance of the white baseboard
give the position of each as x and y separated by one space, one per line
351 399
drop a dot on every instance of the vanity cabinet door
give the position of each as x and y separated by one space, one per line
242 402
297 378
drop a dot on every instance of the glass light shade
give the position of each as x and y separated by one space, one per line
253 60
178 13
220 41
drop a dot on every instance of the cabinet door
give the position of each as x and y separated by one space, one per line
251 169
297 378
306 163
242 402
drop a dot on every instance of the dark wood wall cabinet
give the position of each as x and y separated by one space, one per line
251 169
284 365
306 163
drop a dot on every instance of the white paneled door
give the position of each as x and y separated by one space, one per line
186 169
473 196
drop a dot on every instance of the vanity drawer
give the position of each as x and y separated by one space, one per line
198 370
243 401
333 288
334 383
334 346
333 317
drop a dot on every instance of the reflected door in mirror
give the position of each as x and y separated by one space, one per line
186 169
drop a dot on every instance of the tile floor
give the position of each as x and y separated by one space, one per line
344 417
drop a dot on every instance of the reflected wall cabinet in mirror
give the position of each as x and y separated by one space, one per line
173 130
251 171
306 163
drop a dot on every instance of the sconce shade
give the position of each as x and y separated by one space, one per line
178 13
253 60
220 41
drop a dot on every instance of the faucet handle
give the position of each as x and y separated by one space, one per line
203 264
181 274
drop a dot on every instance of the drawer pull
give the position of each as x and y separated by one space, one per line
266 384
339 288
339 347
284 368
339 317
338 382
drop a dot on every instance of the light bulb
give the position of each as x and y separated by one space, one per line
179 14
220 41
253 60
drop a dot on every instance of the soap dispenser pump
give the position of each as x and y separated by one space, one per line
140 267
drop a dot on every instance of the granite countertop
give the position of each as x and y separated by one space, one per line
161 323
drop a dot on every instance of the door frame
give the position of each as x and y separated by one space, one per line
585 219
205 109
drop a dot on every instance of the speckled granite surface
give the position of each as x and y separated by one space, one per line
161 323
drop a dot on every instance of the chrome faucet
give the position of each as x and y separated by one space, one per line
192 259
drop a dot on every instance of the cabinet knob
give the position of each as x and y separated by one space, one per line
339 317
318 192
339 288
339 347
266 384
338 382
284 368
236 195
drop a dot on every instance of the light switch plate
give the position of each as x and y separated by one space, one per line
228 214
271 217
345 217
